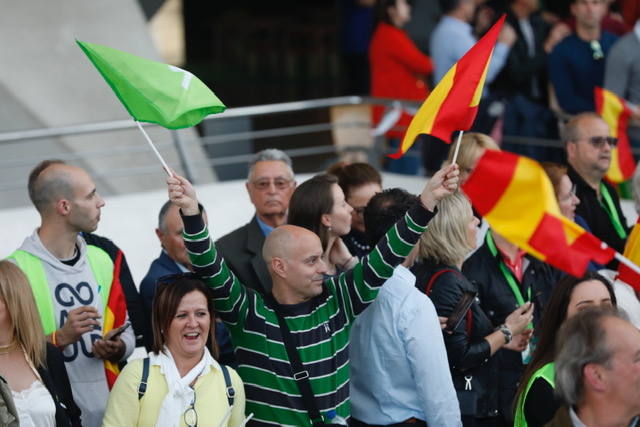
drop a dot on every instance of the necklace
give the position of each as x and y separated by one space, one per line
8 348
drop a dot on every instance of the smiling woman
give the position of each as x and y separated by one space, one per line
184 382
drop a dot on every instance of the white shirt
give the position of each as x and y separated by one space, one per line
35 406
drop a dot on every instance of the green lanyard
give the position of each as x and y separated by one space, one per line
508 275
612 211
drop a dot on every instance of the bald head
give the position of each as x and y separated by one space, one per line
285 240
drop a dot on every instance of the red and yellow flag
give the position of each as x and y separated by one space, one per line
615 112
114 316
631 252
453 103
515 196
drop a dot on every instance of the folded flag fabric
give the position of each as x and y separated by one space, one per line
115 315
514 194
453 103
616 113
631 252
152 91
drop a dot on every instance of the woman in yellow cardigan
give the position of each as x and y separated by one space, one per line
185 386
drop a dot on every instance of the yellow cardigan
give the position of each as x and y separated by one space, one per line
125 410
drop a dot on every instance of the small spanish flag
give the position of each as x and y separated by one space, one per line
514 194
453 103
615 112
632 252
114 316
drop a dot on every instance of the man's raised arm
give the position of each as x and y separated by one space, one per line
230 296
363 282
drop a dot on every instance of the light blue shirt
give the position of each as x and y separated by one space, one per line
266 229
451 39
399 366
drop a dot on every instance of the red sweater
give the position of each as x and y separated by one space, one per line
398 70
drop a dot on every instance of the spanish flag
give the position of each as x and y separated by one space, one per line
515 196
615 112
632 252
453 103
114 316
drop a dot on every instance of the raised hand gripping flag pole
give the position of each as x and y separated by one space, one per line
453 103
154 92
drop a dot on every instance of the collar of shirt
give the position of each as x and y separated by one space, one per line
456 23
266 229
182 268
517 265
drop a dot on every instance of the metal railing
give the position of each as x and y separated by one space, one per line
181 142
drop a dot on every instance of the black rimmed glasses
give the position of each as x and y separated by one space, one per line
599 141
265 184
190 416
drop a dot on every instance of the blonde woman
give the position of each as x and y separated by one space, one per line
33 368
471 346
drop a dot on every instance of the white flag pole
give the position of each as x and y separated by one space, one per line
455 154
246 420
626 261
153 147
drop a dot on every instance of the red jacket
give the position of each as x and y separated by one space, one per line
398 70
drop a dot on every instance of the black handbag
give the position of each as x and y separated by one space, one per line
299 373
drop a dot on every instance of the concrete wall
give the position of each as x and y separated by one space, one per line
46 81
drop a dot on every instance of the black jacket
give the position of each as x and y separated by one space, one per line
55 379
595 215
498 301
521 70
468 355
242 251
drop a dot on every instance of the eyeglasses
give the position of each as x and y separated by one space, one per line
599 141
190 416
597 50
571 194
265 184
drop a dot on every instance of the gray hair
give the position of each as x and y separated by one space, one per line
582 340
270 155
162 216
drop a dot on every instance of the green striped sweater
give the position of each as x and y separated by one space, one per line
320 326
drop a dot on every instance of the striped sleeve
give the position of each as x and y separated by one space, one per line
229 295
359 287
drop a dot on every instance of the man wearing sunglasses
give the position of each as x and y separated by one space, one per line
576 64
589 146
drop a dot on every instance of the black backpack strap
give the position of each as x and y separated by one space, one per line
300 374
231 393
142 388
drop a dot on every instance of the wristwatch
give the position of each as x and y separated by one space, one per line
506 332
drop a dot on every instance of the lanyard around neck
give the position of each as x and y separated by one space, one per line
508 275
611 210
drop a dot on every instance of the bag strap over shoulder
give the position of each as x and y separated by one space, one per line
429 286
231 393
142 388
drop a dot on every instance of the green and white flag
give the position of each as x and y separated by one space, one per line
152 91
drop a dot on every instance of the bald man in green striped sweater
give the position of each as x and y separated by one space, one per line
318 311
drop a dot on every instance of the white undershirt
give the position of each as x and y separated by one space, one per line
35 406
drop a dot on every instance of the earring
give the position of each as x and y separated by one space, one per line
329 228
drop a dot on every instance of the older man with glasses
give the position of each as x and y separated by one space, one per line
589 146
270 185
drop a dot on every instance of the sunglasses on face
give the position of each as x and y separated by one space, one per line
599 141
